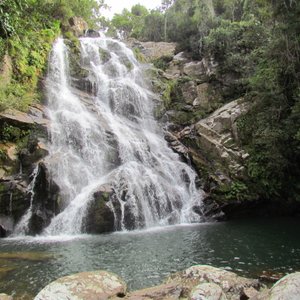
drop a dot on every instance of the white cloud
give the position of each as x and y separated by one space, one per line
118 5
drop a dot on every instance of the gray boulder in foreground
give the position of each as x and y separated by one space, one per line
200 282
86 285
287 288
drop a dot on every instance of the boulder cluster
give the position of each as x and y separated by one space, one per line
201 282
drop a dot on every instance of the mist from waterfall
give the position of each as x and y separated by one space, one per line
109 137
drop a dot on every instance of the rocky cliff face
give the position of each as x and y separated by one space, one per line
22 149
201 123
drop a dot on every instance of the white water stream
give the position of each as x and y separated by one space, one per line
22 227
111 137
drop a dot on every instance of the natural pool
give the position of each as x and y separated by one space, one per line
145 258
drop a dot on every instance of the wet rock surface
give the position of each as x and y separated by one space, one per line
22 155
3 231
100 218
44 202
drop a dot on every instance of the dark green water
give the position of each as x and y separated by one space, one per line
146 258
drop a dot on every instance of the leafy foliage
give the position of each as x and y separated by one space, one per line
27 31
10 133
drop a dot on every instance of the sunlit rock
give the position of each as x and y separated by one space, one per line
159 292
287 288
78 26
5 297
82 286
207 291
228 283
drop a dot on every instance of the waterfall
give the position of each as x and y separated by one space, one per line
22 227
107 135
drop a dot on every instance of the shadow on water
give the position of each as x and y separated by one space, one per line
145 258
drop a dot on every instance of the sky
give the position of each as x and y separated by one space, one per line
118 5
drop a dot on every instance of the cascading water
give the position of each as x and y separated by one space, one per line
22 227
111 138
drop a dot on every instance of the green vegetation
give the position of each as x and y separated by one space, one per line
27 31
10 133
138 23
259 49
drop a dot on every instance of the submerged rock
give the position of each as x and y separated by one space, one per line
84 286
30 256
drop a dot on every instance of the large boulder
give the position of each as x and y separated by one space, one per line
23 120
98 285
3 231
14 200
99 217
36 197
5 297
199 282
216 138
152 50
195 69
208 97
78 26
203 97
287 288
45 198
221 282
201 70
189 92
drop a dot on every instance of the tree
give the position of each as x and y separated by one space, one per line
165 5
153 27
130 23
123 22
